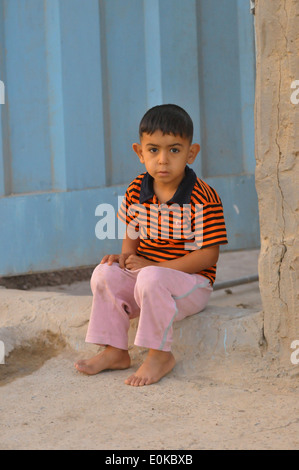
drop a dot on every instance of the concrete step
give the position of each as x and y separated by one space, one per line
218 330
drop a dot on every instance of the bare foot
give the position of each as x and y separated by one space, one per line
110 358
156 365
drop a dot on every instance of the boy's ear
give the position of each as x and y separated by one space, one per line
138 150
193 151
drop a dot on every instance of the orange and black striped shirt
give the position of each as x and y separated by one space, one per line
192 219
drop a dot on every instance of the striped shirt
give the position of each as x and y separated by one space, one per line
192 219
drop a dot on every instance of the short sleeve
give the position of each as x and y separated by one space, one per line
124 212
209 225
130 213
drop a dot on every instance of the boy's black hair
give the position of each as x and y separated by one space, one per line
169 119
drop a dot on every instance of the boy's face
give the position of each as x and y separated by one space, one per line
166 156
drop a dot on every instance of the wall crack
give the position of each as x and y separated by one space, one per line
279 185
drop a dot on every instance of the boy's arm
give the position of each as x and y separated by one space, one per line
194 261
191 263
130 245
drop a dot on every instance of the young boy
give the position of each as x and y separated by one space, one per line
167 266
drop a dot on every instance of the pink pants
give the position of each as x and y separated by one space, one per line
159 296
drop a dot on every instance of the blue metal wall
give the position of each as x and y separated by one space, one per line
78 77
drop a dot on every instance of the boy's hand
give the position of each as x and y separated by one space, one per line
119 258
137 262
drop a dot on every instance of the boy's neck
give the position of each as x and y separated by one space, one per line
165 192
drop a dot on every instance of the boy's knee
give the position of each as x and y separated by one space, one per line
102 274
149 276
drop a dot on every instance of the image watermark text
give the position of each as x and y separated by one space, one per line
295 94
163 222
2 352
2 92
295 354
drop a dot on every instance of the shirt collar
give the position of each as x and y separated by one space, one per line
182 194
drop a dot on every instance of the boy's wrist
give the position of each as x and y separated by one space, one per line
126 252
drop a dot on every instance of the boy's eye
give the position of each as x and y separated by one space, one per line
174 150
153 150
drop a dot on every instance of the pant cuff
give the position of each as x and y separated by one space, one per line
101 341
154 344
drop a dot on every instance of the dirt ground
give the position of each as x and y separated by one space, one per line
225 391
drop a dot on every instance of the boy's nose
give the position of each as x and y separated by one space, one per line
163 157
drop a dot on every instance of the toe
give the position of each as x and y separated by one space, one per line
80 367
78 364
129 380
135 381
143 381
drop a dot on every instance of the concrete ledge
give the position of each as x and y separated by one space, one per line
217 331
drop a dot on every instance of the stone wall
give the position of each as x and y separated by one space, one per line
277 169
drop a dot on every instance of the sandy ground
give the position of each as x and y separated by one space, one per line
224 393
